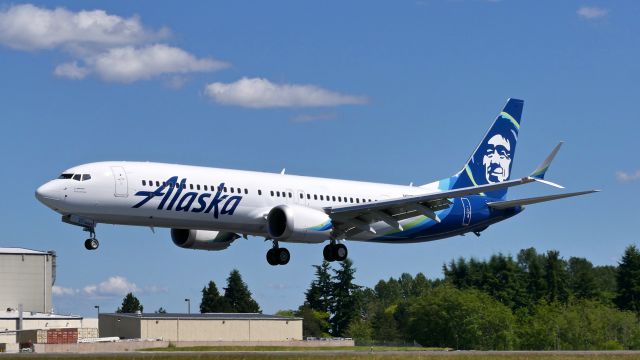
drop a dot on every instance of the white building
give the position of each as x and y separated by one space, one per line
26 278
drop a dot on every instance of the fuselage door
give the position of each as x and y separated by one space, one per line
466 206
120 178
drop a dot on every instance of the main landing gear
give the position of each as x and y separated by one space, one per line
91 243
277 255
335 252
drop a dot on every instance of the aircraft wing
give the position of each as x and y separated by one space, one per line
351 219
534 200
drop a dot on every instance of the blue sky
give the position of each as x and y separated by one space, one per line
388 91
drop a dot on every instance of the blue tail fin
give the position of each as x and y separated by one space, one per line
492 160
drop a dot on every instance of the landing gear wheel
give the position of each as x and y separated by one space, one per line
272 257
328 253
339 252
91 244
283 256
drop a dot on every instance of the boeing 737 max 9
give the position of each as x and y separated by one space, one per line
209 208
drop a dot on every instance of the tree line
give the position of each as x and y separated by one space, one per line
535 301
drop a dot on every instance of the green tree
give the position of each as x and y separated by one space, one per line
238 296
319 295
212 302
360 330
344 301
628 280
461 319
556 277
314 323
130 304
582 280
161 310
531 265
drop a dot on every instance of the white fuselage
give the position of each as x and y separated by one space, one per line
242 199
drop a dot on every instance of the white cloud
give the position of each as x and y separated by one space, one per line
63 291
261 93
592 12
109 46
71 70
623 176
28 27
128 64
115 285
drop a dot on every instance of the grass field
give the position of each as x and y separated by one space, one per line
335 354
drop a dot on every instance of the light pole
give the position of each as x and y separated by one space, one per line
97 307
188 305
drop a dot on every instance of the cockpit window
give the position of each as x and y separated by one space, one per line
77 177
65 176
86 177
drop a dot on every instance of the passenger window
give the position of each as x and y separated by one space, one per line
158 183
301 196
86 177
225 189
76 177
205 187
290 195
308 196
259 192
271 192
333 198
351 200
239 190
144 182
246 192
339 198
321 197
198 187
315 197
231 189
278 193
358 200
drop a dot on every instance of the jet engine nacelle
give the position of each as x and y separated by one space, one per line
293 223
202 239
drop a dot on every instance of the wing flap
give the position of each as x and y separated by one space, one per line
534 200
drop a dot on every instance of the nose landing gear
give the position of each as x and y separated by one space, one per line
91 243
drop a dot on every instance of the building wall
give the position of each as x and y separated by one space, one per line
124 327
201 329
26 279
8 325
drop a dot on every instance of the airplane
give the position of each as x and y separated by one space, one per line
209 208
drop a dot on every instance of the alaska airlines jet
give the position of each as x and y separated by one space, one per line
209 208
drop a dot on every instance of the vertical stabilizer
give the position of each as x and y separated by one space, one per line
492 160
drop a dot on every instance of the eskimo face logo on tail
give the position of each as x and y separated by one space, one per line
497 159
174 200
493 160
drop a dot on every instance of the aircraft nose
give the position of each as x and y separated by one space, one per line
48 193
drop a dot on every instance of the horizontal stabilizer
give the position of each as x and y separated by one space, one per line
534 200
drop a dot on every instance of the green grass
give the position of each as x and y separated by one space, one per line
292 348
343 355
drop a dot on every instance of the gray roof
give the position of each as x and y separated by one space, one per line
28 315
207 316
21 251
